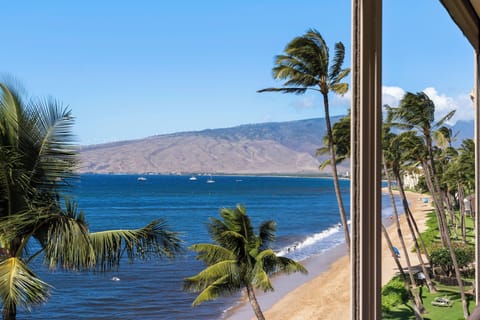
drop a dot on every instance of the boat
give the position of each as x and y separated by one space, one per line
192 178
210 180
142 179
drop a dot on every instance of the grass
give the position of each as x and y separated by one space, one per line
405 311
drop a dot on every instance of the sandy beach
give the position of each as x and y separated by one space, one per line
325 292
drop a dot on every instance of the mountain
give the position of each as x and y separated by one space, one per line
462 130
267 148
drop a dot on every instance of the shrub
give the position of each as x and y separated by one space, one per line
394 294
441 257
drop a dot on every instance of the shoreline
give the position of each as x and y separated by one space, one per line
325 292
285 284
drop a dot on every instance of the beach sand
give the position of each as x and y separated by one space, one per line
325 292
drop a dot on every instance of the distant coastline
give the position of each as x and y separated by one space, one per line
189 174
281 148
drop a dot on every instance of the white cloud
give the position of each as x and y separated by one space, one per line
392 95
444 104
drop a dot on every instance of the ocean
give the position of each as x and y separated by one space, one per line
305 210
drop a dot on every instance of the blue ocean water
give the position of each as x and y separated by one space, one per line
305 210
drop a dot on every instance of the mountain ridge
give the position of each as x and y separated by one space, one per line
265 148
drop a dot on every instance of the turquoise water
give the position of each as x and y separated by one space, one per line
305 210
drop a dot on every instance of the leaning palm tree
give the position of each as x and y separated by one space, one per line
306 66
237 259
416 112
37 163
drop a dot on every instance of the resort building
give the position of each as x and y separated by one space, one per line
366 146
410 179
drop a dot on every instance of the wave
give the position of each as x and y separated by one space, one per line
314 244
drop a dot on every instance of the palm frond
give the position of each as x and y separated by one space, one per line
315 36
324 164
339 88
211 253
151 241
220 287
55 155
268 263
284 90
336 66
440 138
297 69
67 241
19 286
260 277
10 114
20 224
222 269
266 232
447 117
274 264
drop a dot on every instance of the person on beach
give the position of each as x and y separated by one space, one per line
397 252
421 278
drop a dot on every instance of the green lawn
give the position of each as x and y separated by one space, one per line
405 311
434 313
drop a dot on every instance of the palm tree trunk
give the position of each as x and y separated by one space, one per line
461 196
418 315
336 184
436 187
419 235
437 204
458 276
253 301
446 195
416 295
9 312
408 215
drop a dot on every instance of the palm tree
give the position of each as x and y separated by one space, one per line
418 314
459 176
341 141
237 259
306 66
416 112
417 299
397 154
37 162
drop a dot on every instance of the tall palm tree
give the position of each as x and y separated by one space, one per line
416 112
459 176
418 314
397 154
414 289
237 259
306 66
37 163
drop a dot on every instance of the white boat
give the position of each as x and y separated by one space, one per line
192 178
142 179
210 180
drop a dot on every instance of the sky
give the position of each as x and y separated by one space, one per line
133 69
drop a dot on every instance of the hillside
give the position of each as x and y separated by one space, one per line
266 148
275 148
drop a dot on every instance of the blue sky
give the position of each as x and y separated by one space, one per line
134 69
